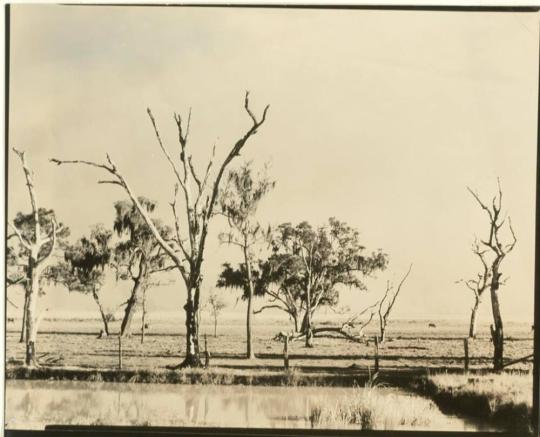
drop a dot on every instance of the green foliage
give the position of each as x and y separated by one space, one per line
129 223
332 256
15 269
240 199
25 223
236 278
17 255
85 261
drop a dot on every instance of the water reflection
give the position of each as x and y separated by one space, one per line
34 404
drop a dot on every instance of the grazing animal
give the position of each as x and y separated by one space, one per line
101 334
432 325
146 326
10 319
532 327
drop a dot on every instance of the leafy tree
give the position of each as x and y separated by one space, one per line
200 195
216 304
84 270
39 235
139 256
307 269
239 201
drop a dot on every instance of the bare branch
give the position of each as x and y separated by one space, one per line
162 269
511 245
352 320
208 168
194 174
246 105
391 304
266 307
162 147
78 161
110 182
500 192
176 223
23 241
482 205
31 191
11 303
114 171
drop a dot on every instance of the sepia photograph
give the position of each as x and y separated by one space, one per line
287 218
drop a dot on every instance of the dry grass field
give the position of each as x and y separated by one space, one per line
410 344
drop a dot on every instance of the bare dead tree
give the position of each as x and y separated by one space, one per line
387 303
39 248
186 251
499 251
477 285
352 329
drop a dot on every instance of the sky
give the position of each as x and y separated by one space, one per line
379 118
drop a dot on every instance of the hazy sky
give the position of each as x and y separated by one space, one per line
378 118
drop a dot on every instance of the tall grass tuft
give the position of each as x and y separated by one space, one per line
371 408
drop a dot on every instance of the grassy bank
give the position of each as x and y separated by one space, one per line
369 409
503 399
216 376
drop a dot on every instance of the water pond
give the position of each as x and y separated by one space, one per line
35 404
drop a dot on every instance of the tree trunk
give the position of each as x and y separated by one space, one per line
30 319
249 345
139 286
306 329
309 334
193 358
23 325
295 319
102 312
382 335
472 325
497 334
215 325
143 318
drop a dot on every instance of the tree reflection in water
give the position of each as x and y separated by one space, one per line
35 404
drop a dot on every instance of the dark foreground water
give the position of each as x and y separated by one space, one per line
35 404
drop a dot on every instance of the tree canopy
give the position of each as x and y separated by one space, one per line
139 237
86 261
323 258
